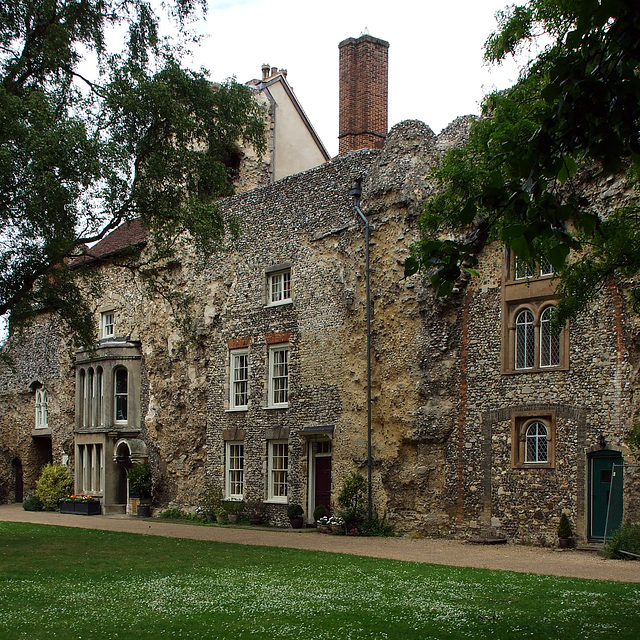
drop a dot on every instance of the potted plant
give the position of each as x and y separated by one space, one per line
140 485
319 512
294 513
234 509
80 504
255 512
565 533
323 524
221 513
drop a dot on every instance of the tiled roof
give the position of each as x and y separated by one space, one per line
128 234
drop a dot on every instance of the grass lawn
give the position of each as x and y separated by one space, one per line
58 582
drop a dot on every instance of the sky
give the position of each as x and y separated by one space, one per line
436 70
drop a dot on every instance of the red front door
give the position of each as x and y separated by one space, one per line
323 481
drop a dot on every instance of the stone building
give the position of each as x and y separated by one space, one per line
482 421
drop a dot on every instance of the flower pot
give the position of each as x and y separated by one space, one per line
233 518
322 528
144 511
67 507
221 518
296 523
81 508
565 543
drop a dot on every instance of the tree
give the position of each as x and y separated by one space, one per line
142 138
573 116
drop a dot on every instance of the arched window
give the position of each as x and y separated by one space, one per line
121 394
536 446
525 340
81 396
42 409
90 396
99 392
549 341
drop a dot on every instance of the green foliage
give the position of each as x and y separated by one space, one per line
54 483
140 479
141 138
294 510
319 512
572 115
32 503
210 501
376 526
172 514
626 538
353 499
234 507
564 527
633 441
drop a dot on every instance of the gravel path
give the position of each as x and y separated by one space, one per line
577 564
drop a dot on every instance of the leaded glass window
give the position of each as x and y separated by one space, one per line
525 340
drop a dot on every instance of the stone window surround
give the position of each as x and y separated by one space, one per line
535 294
42 408
519 423
275 271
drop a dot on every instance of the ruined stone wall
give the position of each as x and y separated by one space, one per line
40 358
306 222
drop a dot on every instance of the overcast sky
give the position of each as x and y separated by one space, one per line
436 72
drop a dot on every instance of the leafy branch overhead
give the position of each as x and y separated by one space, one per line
573 118
82 151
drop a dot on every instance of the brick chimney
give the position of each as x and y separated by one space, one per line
364 71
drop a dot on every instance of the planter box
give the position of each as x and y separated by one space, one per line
81 508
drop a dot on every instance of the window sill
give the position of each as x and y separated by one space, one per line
512 372
276 501
282 303
237 410
276 406
533 465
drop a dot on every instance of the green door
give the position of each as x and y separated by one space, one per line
605 493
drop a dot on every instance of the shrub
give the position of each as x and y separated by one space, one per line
172 514
564 527
210 501
319 512
140 479
233 507
32 503
352 499
54 483
626 538
375 526
294 511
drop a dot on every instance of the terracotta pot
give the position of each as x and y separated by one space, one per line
233 518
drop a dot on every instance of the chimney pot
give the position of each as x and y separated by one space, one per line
265 71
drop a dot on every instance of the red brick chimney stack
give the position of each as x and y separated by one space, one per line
364 71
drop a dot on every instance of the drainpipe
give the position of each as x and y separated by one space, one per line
355 192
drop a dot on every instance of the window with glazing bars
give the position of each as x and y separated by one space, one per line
278 469
235 470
